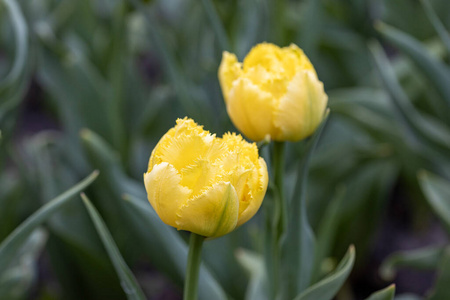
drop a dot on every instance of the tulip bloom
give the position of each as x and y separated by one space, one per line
274 93
205 184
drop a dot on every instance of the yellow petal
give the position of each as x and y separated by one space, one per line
164 191
211 214
302 109
181 145
302 61
251 110
256 195
230 69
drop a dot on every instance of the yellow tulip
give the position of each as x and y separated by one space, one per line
204 184
274 93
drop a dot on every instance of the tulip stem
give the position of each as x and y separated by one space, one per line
279 213
193 267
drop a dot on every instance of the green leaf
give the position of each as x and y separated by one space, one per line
15 240
385 294
298 244
162 242
422 259
437 24
21 36
437 192
128 281
16 280
15 84
171 66
217 25
327 288
253 263
417 126
105 159
441 289
436 71
328 231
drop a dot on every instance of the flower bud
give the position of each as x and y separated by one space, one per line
205 184
274 92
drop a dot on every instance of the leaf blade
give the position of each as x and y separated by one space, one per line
384 294
129 283
19 235
329 286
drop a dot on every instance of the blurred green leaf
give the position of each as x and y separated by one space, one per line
437 192
171 67
217 25
441 290
298 243
21 45
253 263
15 240
327 288
435 71
168 250
128 281
16 280
422 259
13 86
428 130
107 161
327 232
437 24
384 294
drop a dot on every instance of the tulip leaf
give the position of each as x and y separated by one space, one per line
434 133
437 192
16 280
437 24
422 259
128 281
299 242
254 265
14 84
440 289
10 246
327 288
167 55
217 25
104 158
159 240
436 72
384 294
21 40
327 231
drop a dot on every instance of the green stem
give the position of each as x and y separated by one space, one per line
278 215
193 267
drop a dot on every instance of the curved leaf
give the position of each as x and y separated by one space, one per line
437 24
435 134
385 294
422 259
13 242
441 290
436 72
128 281
327 288
254 265
437 192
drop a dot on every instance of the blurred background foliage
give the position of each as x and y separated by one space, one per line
93 84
